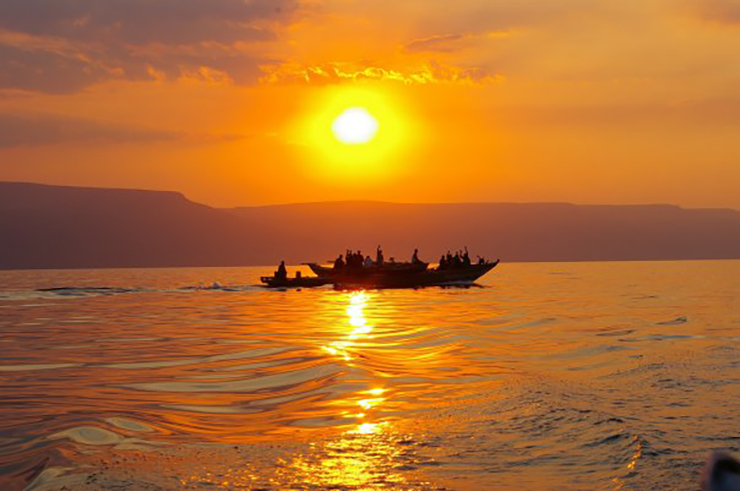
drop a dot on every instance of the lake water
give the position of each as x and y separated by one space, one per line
548 376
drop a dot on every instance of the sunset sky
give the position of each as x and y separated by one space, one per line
232 101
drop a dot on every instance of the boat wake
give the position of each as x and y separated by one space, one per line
76 291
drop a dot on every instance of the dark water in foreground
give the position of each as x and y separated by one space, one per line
551 376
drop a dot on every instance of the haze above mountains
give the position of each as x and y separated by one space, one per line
44 226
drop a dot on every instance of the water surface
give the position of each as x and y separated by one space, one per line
548 376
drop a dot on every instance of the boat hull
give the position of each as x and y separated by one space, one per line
395 269
433 277
305 282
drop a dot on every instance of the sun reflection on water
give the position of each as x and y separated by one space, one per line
361 458
359 330
359 324
365 455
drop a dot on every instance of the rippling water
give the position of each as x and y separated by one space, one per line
549 376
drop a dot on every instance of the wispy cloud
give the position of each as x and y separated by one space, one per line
451 42
44 129
38 130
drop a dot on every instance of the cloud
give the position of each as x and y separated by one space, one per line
47 71
45 129
725 11
710 112
445 42
145 21
429 73
431 18
450 42
63 46
38 130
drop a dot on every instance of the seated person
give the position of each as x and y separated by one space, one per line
282 272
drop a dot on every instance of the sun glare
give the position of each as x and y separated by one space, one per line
355 126
355 134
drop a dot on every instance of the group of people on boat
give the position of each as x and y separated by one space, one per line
461 259
357 260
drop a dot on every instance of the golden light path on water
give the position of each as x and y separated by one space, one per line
355 458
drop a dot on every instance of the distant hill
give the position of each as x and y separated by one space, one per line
68 227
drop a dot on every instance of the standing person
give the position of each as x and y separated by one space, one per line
466 257
339 263
379 259
456 262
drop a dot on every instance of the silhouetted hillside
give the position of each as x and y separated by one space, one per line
514 232
64 227
69 227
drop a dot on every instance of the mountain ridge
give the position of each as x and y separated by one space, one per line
46 226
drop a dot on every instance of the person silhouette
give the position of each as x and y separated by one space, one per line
282 271
466 257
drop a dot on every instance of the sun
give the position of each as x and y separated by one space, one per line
355 134
355 126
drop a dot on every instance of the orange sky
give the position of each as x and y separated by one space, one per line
586 101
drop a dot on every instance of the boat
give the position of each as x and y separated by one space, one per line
299 282
389 274
403 277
